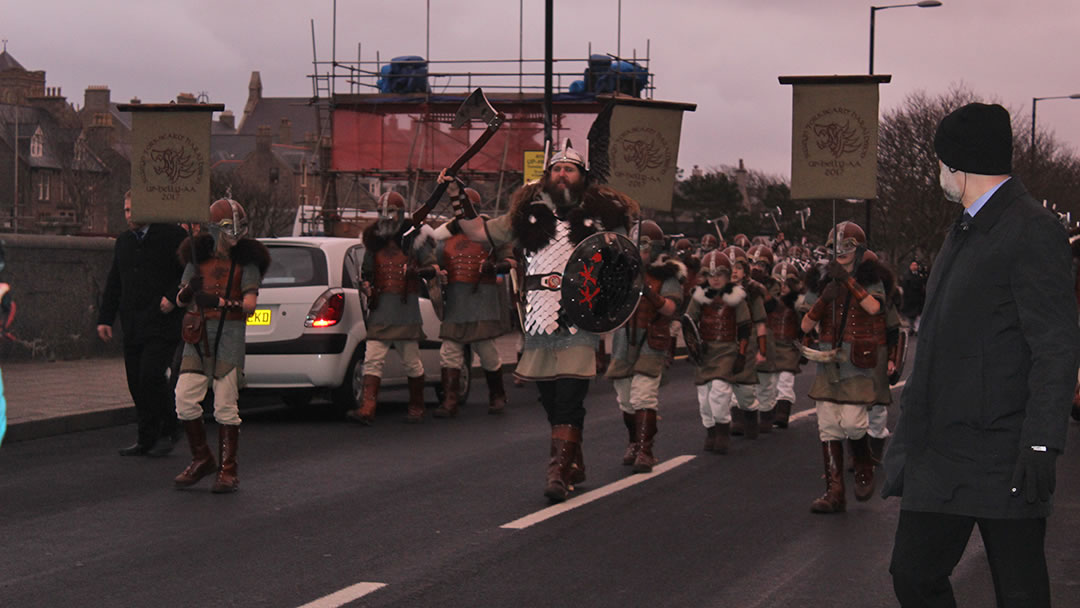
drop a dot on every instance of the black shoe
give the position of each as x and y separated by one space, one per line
162 447
135 449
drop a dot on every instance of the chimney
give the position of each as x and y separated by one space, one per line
185 98
742 181
285 132
227 120
263 138
96 98
135 100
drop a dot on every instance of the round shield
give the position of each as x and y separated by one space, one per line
602 282
901 357
694 347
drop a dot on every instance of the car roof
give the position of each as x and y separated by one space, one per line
329 243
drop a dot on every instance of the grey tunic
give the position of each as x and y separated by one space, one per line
230 350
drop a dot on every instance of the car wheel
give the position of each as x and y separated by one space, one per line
350 394
466 379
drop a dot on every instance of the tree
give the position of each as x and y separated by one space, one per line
270 205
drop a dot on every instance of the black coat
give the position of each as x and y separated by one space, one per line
141 274
996 363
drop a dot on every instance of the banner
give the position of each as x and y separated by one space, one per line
170 163
834 136
642 151
533 165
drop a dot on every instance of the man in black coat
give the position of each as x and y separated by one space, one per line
985 411
141 287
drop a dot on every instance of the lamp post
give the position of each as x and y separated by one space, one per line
1034 102
873 13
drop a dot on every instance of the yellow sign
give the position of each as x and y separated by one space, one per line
170 166
534 165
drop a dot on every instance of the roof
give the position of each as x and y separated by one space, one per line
31 119
7 62
270 110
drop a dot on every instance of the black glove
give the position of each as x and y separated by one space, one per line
831 292
426 272
503 267
206 300
1034 474
836 271
195 282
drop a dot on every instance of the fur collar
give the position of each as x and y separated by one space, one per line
533 215
666 267
730 298
869 272
244 252
373 242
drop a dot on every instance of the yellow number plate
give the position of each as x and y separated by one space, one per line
261 316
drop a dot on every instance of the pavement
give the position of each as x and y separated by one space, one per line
56 397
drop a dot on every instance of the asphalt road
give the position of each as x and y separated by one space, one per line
328 512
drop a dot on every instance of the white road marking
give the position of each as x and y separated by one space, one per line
591 495
812 411
346 595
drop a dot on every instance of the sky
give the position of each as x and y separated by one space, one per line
723 55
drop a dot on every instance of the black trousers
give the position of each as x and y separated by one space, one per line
154 397
929 545
564 400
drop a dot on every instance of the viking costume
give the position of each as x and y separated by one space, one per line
745 415
783 322
766 391
847 386
221 280
640 348
473 314
393 319
559 356
723 319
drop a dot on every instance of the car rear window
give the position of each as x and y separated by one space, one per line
295 266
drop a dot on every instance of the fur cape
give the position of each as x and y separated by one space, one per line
666 267
731 297
533 215
866 273
244 252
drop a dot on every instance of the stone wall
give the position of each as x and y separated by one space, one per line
57 282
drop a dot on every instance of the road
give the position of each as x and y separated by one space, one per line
416 515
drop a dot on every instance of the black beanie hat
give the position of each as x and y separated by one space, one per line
976 138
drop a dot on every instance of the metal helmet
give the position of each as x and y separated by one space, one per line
796 252
741 241
709 242
761 254
737 254
784 271
567 154
228 218
851 238
759 240
682 246
391 202
715 262
650 231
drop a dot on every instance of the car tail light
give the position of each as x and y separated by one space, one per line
326 310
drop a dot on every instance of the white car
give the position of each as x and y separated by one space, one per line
307 334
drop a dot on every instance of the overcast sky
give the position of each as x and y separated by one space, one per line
723 55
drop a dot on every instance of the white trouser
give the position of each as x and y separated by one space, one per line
375 357
839 421
714 402
191 389
452 355
785 387
638 392
746 396
879 417
767 390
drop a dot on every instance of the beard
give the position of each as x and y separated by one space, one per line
563 193
953 192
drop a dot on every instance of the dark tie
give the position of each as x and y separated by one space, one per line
963 224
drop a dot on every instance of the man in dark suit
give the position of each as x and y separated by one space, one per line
141 287
985 411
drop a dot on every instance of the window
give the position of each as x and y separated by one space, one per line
41 181
80 145
295 266
37 144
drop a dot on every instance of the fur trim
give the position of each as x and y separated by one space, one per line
245 251
666 267
870 271
698 295
755 289
447 230
533 215
790 299
693 264
426 238
737 295
372 241
204 248
533 225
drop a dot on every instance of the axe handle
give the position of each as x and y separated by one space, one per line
469 212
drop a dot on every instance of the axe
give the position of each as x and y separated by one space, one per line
475 107
803 214
723 219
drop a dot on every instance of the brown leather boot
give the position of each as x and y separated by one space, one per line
415 413
451 385
577 468
864 468
565 439
765 420
877 449
631 447
365 414
202 460
737 427
710 438
723 437
750 424
228 438
645 421
496 392
832 501
783 413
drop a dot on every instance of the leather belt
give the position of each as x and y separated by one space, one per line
544 282
232 315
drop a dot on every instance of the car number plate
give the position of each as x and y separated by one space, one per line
261 316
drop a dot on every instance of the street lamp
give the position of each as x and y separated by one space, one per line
1034 102
873 12
874 9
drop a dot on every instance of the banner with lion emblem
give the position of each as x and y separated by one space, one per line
170 165
642 152
834 137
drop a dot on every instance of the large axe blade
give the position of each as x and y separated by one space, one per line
475 107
